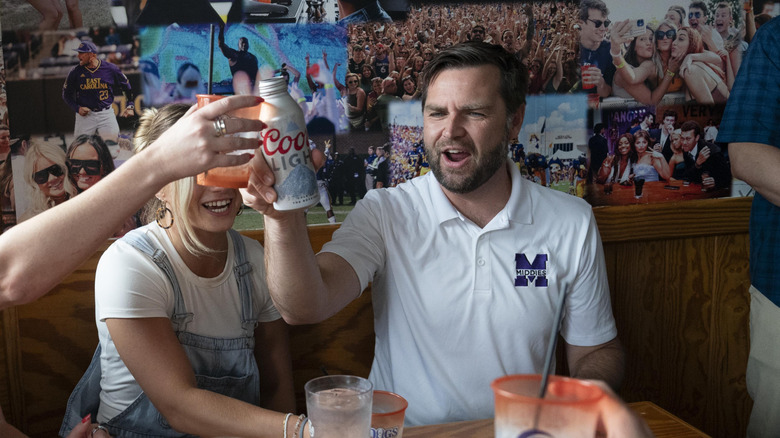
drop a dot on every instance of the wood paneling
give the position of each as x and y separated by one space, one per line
679 282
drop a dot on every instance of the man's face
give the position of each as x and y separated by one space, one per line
669 123
590 35
465 128
649 119
85 58
477 34
695 17
688 140
243 44
723 19
5 140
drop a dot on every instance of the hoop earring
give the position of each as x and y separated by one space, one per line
160 216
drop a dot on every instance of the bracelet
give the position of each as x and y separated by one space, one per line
303 427
328 86
610 52
284 425
298 424
621 64
670 73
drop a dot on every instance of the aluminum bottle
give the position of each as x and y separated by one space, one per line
285 146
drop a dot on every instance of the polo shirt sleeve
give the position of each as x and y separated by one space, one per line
588 320
754 102
359 240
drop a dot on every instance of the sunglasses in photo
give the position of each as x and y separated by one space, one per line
670 34
91 167
41 176
597 23
694 14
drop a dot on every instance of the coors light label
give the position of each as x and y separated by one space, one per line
286 147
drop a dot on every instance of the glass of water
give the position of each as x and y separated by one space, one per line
339 406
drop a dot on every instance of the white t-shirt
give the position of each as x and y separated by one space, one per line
129 285
448 316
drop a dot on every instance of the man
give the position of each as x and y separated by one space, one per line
646 124
704 161
477 33
368 164
5 143
241 61
382 174
710 131
383 102
663 134
464 285
597 145
732 37
594 48
697 19
750 127
88 90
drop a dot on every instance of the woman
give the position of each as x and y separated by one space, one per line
366 76
89 160
46 172
650 165
178 303
410 89
675 14
417 63
619 168
356 100
677 160
372 118
664 36
7 199
640 74
704 82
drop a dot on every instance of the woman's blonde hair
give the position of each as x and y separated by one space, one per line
152 124
39 202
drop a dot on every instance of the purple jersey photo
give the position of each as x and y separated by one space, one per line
94 88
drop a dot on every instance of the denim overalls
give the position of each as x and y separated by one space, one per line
225 366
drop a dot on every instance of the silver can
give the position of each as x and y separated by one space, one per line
285 146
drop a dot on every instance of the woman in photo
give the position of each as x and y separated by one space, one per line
190 342
704 82
89 160
651 164
619 167
410 89
46 172
641 74
355 99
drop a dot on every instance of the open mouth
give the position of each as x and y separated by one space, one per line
217 206
456 155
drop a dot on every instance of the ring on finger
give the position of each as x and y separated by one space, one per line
219 127
99 427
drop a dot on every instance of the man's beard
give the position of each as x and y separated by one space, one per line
489 163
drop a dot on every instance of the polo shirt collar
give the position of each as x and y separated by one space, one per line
518 208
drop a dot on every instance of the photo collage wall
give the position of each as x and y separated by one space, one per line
623 98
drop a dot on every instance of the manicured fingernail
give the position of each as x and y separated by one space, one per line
259 99
86 419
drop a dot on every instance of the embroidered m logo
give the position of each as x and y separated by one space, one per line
535 272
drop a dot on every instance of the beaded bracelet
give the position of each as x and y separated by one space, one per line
670 73
284 425
298 424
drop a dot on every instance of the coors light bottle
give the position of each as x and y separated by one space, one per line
285 146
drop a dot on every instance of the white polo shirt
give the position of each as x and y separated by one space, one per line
456 306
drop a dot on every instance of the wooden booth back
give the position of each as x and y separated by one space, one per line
679 283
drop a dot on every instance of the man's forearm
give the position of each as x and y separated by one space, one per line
605 363
757 165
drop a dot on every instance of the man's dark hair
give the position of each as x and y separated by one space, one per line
598 127
670 113
691 125
701 5
585 5
514 75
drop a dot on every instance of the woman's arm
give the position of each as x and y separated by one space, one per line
151 351
272 352
339 86
85 222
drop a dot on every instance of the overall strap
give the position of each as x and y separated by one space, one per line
143 243
242 271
